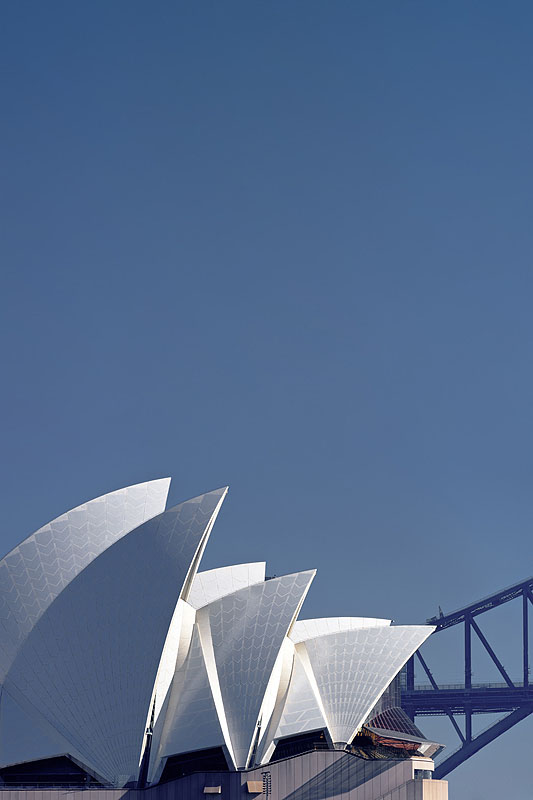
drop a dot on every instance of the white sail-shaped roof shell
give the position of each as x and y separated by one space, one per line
35 572
352 669
213 584
242 635
190 720
93 662
302 709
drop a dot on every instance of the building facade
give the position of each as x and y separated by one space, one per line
125 669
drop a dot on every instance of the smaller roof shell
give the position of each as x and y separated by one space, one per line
353 668
242 634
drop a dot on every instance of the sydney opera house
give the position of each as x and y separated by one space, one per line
128 670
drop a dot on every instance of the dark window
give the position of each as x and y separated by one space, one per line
423 773
56 771
211 760
303 743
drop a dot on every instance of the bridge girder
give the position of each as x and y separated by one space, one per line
513 698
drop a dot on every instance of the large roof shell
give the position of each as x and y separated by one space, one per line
35 572
93 678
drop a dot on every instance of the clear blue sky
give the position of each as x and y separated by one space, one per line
285 247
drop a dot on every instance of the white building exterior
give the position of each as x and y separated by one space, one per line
108 629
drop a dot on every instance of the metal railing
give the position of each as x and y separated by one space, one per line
427 687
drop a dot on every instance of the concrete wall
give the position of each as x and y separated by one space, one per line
320 775
419 790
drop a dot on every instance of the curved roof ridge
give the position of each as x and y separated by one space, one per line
210 585
304 629
83 506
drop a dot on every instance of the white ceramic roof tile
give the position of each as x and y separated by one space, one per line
89 665
215 583
354 667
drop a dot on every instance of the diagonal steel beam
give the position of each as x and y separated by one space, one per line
474 745
525 641
492 654
434 685
503 596
455 725
427 670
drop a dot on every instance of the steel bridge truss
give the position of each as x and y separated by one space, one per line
511 698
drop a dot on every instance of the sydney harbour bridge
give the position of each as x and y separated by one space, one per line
459 702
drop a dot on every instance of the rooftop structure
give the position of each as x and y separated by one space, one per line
123 663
